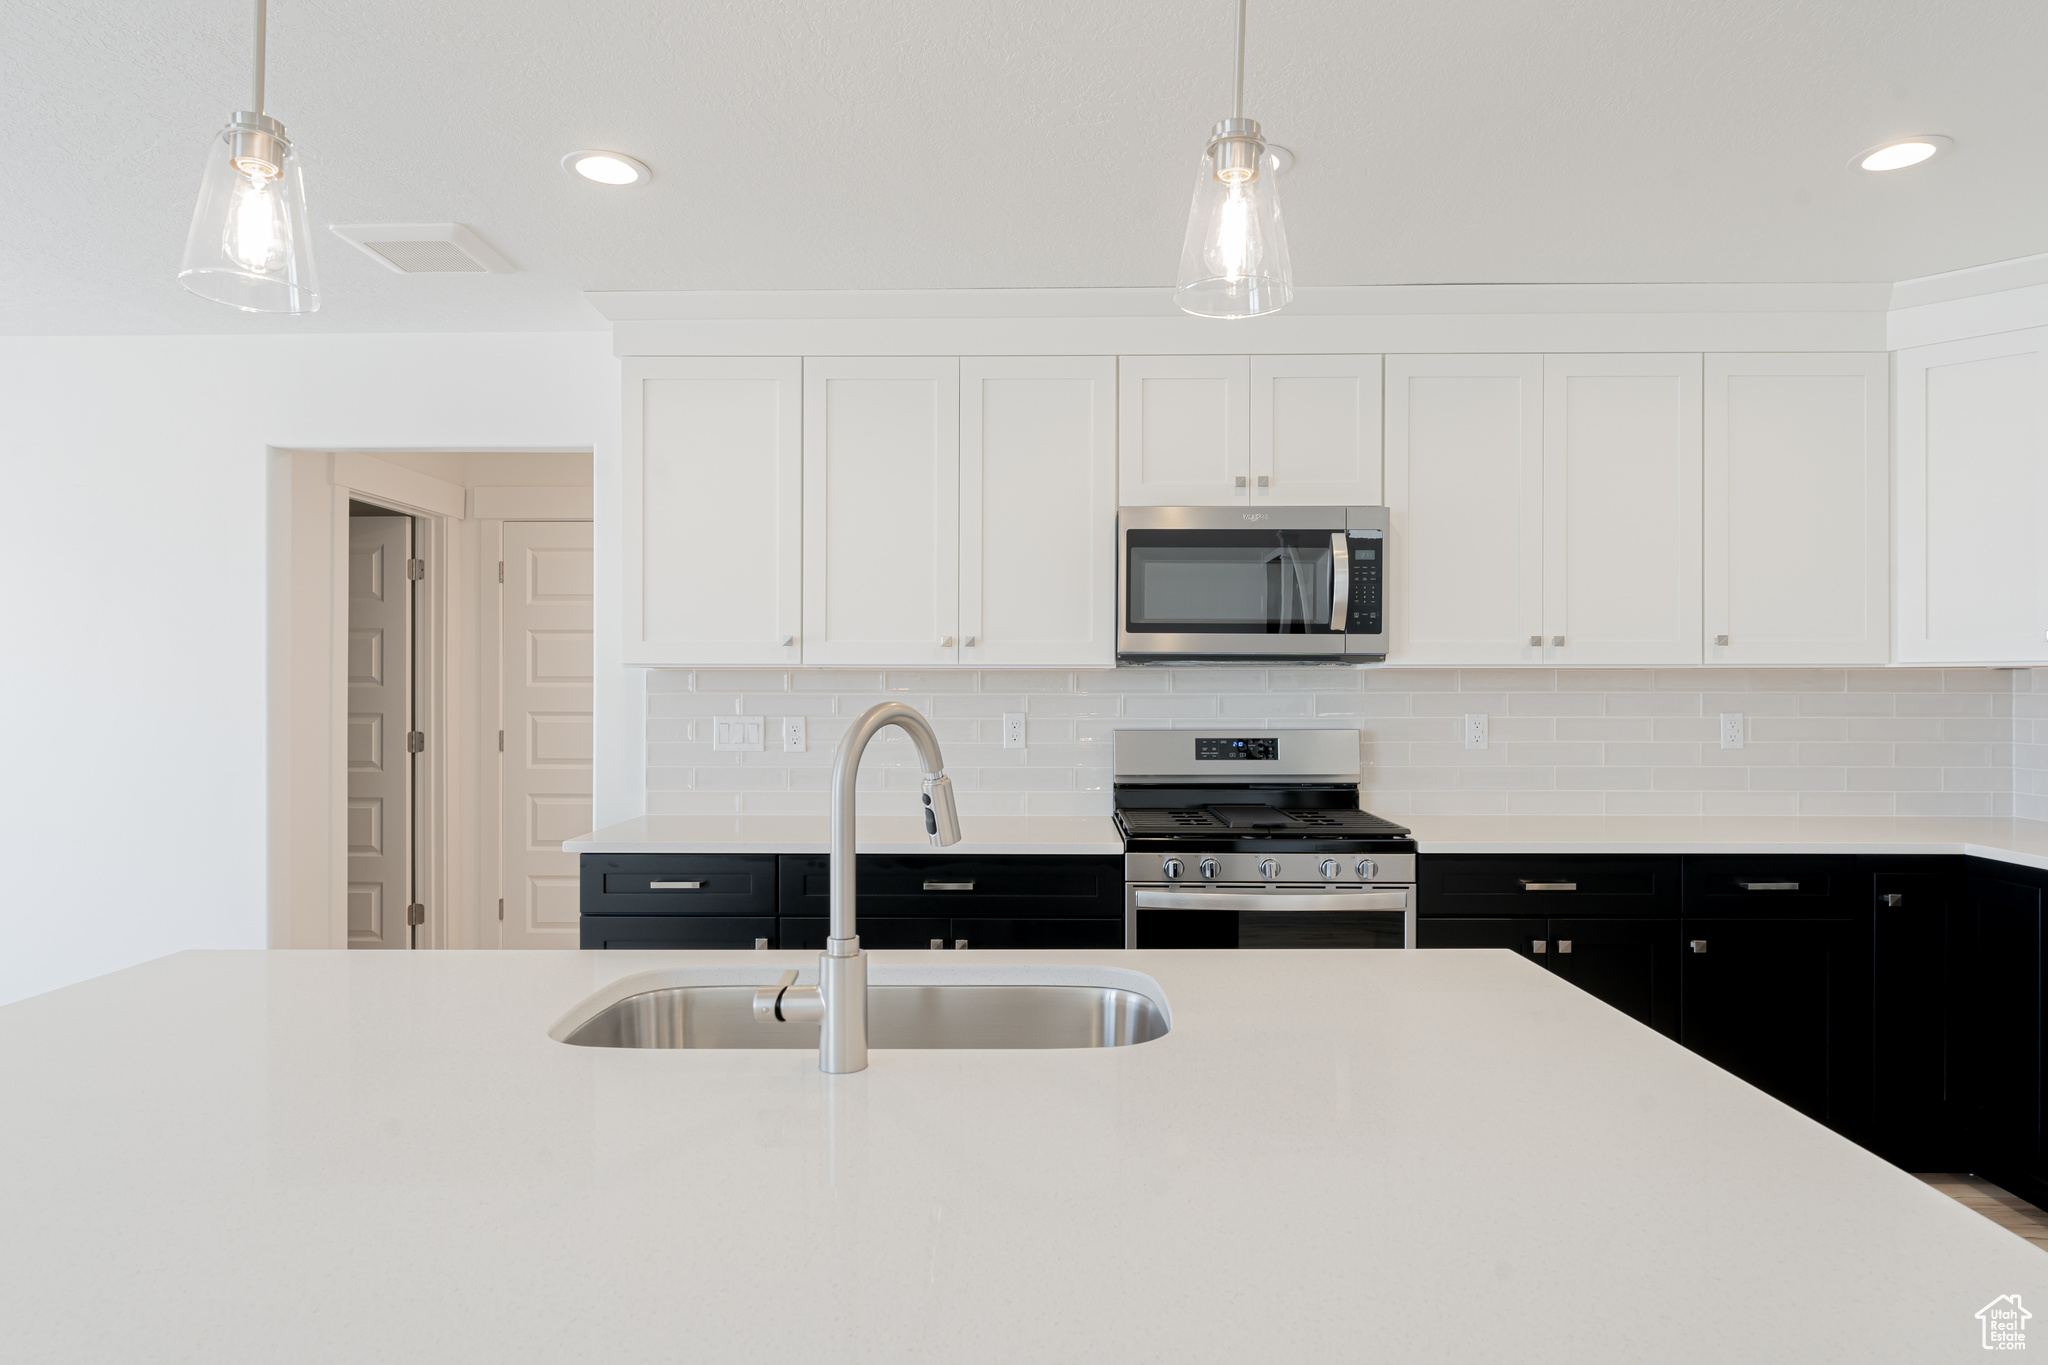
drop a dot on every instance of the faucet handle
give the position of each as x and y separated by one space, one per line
767 998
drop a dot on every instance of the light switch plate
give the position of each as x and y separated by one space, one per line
1731 729
793 734
1013 729
1475 729
737 733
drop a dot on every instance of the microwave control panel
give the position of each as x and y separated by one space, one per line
1368 573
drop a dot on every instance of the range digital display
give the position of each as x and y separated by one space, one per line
1262 748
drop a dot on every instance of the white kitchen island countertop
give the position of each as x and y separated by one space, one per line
876 834
2023 842
1334 1156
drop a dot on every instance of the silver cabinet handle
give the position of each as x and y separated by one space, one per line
760 945
1892 898
1293 901
1564 945
1557 640
1721 640
1768 886
1535 642
949 886
945 642
1699 945
1240 481
959 943
1340 577
969 642
1538 946
938 943
1528 885
786 640
675 886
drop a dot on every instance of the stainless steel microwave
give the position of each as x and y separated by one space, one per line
1273 585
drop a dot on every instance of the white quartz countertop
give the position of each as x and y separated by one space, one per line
874 833
1385 1156
2024 842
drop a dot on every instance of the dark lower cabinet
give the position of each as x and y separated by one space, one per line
1912 918
677 931
1631 964
1996 987
1519 933
1784 1004
882 932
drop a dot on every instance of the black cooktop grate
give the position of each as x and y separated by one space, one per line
1351 822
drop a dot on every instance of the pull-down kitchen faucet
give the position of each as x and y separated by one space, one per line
840 999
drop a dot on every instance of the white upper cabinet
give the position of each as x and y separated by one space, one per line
1621 510
1797 510
711 541
1464 486
1315 430
881 462
1038 507
1184 429
1972 557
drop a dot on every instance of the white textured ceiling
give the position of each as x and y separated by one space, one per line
930 144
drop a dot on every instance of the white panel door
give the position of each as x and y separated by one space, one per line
1038 511
545 672
1972 556
713 493
881 512
1315 430
379 820
1621 509
1464 480
1184 430
1798 527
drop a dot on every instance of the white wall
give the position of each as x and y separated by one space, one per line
133 821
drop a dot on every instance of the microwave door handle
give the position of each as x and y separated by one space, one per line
1340 580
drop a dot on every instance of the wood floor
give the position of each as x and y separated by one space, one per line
2009 1211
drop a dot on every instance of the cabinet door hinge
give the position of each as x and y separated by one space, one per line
501 741
415 741
501 571
501 907
415 914
415 569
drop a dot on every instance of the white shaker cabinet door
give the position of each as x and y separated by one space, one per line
713 504
1315 431
881 512
1038 512
1464 480
1797 510
1621 510
1972 556
1184 431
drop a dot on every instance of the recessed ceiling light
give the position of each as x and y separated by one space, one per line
1902 152
608 168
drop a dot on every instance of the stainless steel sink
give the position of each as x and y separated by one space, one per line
903 1015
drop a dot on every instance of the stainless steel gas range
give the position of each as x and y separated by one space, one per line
1253 839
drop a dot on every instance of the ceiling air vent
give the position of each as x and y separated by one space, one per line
425 248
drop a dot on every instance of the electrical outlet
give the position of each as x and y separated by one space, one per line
736 733
1475 729
793 734
1731 729
1013 729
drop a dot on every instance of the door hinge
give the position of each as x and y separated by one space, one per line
501 741
415 914
501 571
415 569
415 741
501 907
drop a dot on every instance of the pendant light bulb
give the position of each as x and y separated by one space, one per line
1233 261
251 243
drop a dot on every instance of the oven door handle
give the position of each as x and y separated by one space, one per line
1271 900
1340 579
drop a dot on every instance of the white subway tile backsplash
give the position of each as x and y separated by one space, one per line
1561 741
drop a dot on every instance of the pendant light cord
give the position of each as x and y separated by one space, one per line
1238 105
261 6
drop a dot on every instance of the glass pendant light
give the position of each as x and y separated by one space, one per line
251 244
1234 261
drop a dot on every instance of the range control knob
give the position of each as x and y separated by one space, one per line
1171 867
1268 868
1208 868
1367 869
1328 867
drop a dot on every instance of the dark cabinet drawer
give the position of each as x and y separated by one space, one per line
678 884
911 886
1499 885
1795 886
677 931
809 932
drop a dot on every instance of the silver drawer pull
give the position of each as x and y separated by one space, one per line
1528 885
760 945
949 886
1768 886
1893 898
938 943
1539 946
1699 945
675 886
1564 945
960 943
